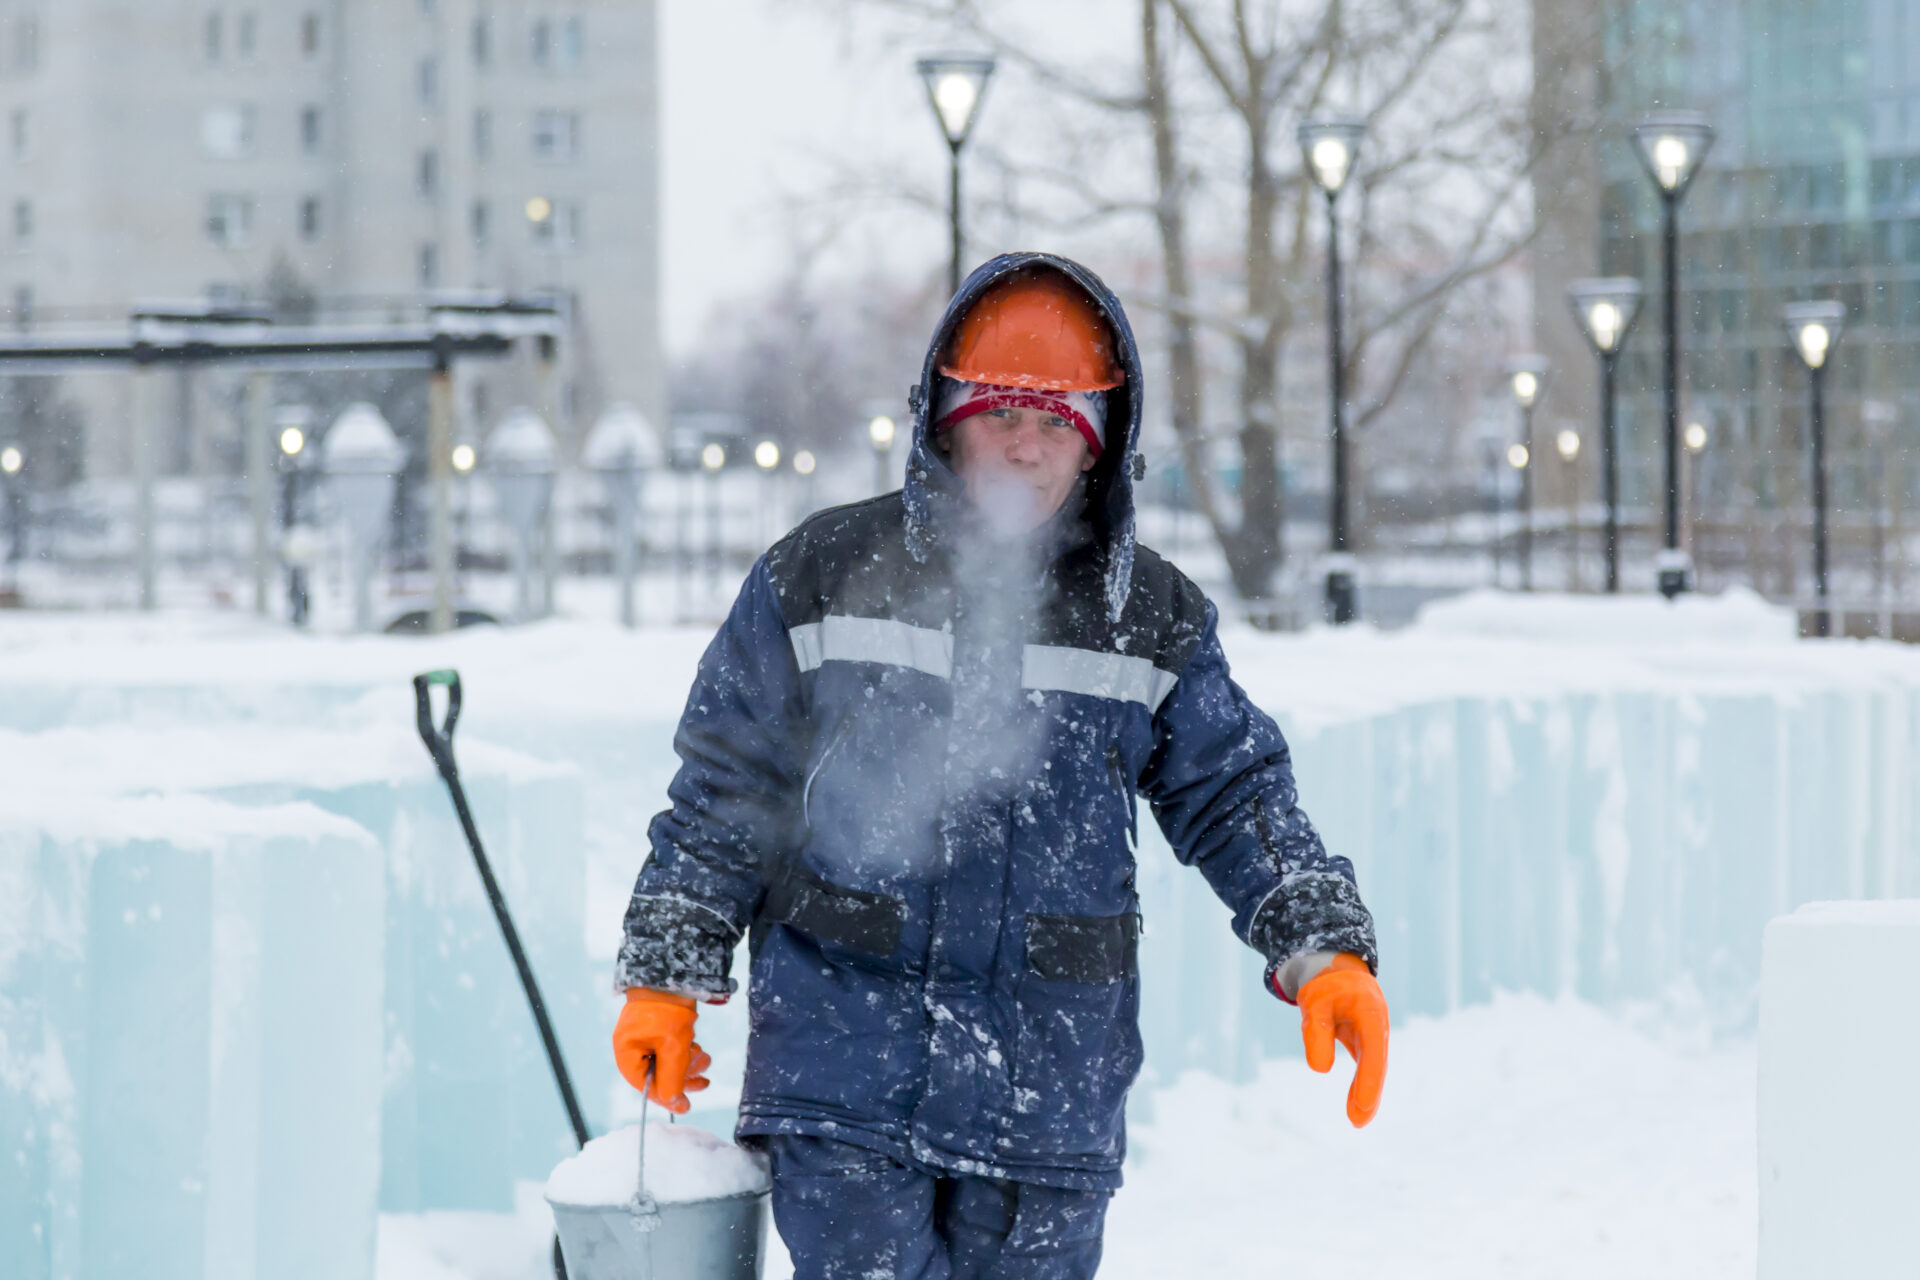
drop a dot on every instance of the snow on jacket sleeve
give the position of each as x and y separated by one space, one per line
734 805
1221 784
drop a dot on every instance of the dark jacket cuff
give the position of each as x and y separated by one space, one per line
1313 911
674 944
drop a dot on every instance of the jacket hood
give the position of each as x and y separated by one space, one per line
932 487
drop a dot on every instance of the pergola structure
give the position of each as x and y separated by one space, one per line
457 326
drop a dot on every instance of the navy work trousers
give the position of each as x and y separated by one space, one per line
847 1213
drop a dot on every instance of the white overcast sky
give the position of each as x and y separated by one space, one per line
755 93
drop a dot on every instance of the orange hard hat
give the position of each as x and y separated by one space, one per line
1034 329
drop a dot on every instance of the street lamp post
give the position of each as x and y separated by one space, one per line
955 85
880 431
1671 145
803 465
1567 445
13 484
1606 309
712 459
1813 328
766 456
1329 147
1527 375
296 548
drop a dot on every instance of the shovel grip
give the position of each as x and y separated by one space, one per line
438 738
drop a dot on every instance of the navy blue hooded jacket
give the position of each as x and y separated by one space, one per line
910 773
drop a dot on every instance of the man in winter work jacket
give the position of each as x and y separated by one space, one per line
909 769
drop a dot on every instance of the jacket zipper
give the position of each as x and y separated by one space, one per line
806 793
1117 770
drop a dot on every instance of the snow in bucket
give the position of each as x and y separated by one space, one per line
684 1164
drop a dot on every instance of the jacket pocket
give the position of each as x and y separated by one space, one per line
860 921
1083 948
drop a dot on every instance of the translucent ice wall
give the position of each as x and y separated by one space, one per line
1535 796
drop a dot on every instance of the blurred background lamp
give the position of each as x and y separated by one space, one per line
766 455
1517 457
1671 145
880 431
1568 443
803 462
713 457
292 441
1814 327
1606 309
1696 437
1526 386
955 85
1329 147
463 457
539 209
10 460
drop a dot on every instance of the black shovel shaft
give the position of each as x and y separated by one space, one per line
439 742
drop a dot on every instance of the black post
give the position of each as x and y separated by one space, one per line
881 457
1673 576
1493 508
1340 595
1610 467
290 516
1526 499
953 218
1822 625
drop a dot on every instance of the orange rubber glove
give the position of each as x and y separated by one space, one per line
1344 1003
657 1027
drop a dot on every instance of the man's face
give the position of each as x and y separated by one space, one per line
1019 465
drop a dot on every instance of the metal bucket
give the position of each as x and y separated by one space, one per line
718 1239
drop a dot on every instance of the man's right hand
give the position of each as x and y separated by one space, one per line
657 1027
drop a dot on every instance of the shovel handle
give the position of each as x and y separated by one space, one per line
641 1193
439 738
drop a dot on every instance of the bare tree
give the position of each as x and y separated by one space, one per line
1441 200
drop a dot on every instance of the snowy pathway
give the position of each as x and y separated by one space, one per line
1523 1139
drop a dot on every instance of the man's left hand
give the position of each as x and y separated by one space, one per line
1344 1003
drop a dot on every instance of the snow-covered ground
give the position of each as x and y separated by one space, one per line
1526 1138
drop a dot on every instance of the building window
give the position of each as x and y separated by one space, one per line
428 177
556 136
541 50
20 133
216 35
482 41
246 29
229 220
429 81
482 134
227 132
310 130
310 35
572 44
23 223
310 218
482 221
429 266
26 43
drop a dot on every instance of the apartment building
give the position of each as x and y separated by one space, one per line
365 151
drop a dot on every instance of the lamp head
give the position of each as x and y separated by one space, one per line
11 461
955 85
1329 147
1568 443
714 456
1813 328
803 462
539 209
292 441
1695 437
1526 376
766 455
1671 145
1518 457
463 458
880 431
1606 309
